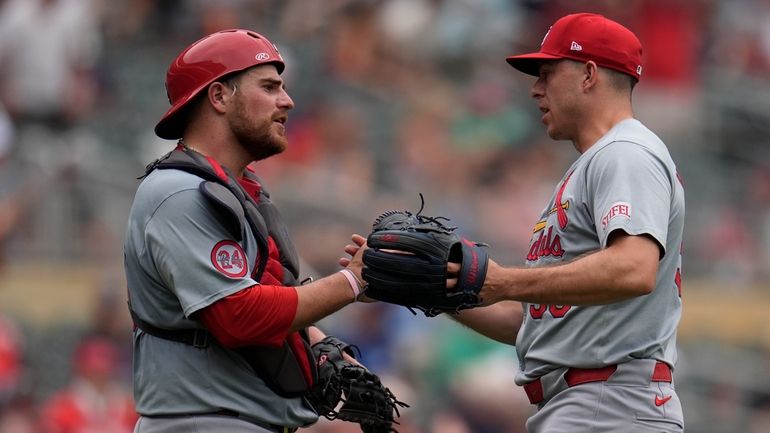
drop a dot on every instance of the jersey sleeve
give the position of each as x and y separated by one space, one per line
629 189
188 246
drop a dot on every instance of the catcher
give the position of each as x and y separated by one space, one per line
224 337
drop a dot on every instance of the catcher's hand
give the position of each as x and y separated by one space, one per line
365 400
407 264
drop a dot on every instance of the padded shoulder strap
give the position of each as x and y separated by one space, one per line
276 228
189 161
224 192
228 207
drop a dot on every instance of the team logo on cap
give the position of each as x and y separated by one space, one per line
262 56
228 258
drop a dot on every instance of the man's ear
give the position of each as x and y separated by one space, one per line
219 96
591 74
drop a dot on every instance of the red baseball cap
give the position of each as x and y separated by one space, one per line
585 37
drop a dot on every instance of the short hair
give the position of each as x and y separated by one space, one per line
618 80
621 81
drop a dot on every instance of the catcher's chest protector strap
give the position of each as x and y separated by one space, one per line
278 367
277 230
237 208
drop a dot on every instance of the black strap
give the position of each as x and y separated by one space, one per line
199 338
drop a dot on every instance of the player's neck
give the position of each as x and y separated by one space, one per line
599 124
225 158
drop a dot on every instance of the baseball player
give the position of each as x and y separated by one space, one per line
594 313
223 328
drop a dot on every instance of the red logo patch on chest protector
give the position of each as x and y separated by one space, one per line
228 257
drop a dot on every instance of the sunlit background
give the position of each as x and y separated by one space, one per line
393 98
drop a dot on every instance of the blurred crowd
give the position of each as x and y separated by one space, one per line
393 98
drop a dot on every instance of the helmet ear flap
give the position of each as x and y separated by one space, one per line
205 61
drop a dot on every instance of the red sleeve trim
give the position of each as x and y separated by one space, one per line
258 315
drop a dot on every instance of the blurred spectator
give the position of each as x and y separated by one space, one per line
10 199
672 53
7 134
93 401
422 156
220 15
759 207
487 398
447 421
20 416
11 360
740 37
729 243
111 321
49 50
18 411
372 328
48 58
760 420
327 155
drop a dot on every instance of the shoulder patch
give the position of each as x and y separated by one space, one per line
620 209
228 258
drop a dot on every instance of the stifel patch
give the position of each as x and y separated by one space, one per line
618 210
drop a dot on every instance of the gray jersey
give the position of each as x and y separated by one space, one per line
179 259
627 181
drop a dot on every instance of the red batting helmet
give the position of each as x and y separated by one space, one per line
206 61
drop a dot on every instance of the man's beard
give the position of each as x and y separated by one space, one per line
258 139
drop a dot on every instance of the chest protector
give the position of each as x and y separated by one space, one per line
279 367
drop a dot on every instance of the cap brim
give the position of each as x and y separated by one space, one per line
530 63
171 125
168 127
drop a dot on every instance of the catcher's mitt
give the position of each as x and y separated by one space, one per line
406 263
365 400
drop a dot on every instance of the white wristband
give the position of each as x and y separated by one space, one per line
351 277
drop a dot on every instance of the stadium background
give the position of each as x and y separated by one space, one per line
392 98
